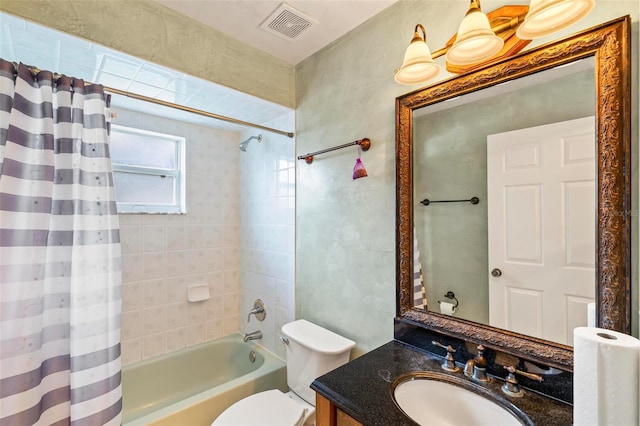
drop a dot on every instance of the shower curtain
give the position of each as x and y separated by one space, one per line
60 266
419 291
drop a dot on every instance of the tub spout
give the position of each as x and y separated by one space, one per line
253 336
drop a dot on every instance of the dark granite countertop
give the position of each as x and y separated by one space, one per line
362 388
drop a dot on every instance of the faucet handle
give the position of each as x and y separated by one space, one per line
258 310
449 363
513 370
511 386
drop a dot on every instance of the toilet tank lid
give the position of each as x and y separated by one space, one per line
317 338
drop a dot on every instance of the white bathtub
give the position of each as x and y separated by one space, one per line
193 386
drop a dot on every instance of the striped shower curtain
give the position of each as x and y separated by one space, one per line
60 266
419 291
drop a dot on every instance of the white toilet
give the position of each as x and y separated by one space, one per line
311 352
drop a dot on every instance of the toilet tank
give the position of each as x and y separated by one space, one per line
311 352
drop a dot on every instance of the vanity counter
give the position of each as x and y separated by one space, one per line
362 388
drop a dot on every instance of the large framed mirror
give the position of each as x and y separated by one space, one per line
447 149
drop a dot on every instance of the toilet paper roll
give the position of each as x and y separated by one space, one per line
606 366
591 314
447 308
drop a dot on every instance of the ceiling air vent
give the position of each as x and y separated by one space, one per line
287 22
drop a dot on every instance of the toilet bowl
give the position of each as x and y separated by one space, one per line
311 352
268 408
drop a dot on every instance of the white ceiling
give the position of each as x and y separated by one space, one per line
241 20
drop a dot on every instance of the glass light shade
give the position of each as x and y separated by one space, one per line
475 42
418 66
546 17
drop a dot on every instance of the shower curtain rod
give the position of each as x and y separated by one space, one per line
177 106
196 111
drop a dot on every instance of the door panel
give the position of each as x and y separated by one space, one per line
541 208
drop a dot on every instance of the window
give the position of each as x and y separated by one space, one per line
148 171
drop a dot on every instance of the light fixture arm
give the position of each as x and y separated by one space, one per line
416 35
508 25
474 6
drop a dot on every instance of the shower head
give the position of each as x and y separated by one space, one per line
243 145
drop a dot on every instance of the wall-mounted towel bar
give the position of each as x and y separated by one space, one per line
365 144
472 200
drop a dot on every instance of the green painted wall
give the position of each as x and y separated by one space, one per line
152 32
345 240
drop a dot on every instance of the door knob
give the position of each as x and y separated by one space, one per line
496 272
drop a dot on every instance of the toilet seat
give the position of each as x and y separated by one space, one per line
268 408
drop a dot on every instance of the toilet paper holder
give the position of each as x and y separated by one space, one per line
451 296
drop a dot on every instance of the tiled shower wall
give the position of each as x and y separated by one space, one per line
267 231
163 254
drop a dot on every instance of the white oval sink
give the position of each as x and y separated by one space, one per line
431 402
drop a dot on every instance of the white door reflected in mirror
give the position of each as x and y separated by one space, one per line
541 217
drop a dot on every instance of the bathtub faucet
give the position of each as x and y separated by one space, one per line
253 336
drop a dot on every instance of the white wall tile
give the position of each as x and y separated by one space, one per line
230 325
176 264
231 304
153 219
132 295
216 281
197 312
176 237
131 350
177 314
132 267
152 345
154 319
215 309
214 328
175 339
131 324
195 334
195 236
163 254
154 238
154 265
131 238
176 289
155 293
267 234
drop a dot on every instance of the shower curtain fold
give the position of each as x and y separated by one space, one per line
419 290
60 260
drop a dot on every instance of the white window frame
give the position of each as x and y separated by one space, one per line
179 174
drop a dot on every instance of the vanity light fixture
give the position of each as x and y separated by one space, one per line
546 17
418 65
476 41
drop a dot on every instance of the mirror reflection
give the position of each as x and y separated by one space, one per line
523 257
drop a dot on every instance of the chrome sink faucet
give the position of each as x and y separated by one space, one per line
253 336
476 368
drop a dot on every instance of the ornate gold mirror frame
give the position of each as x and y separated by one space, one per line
610 44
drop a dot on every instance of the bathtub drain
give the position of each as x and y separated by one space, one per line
252 356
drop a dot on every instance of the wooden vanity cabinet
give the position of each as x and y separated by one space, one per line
327 414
